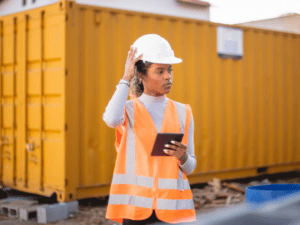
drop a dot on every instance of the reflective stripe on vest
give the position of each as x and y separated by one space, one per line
131 200
179 184
175 204
135 180
168 204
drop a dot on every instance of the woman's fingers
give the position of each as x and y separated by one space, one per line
138 58
171 147
176 149
130 62
130 56
169 151
133 53
130 53
179 144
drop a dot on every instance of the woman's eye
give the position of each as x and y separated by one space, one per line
161 72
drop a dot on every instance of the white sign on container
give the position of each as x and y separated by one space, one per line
229 42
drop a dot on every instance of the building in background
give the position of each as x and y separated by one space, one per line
286 23
193 9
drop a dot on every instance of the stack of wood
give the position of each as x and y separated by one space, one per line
219 193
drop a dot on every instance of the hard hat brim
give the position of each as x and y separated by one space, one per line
168 60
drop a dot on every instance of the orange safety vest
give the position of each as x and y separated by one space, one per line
142 183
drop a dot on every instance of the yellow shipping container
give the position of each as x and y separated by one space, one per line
60 64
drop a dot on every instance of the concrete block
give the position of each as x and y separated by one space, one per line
13 211
2 204
4 210
6 201
12 208
52 213
23 202
29 213
3 201
72 206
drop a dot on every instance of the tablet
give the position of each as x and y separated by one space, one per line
161 140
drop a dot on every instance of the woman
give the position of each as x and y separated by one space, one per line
145 188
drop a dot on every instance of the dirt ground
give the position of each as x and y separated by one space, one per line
92 211
92 215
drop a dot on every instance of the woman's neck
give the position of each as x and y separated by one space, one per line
153 99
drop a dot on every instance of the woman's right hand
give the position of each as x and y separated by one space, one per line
129 66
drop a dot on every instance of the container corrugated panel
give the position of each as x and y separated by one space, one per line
60 65
33 100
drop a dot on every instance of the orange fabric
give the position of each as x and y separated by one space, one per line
176 216
118 212
120 167
170 125
119 133
174 194
147 165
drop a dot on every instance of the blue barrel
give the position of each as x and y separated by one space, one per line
266 193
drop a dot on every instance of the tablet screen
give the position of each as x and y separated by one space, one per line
161 140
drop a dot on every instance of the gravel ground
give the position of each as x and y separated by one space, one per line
92 211
90 215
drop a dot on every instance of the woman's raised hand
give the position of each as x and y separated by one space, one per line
129 66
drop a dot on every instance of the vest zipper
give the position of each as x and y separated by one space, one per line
155 185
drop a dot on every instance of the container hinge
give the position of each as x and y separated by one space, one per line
66 182
66 17
15 25
66 72
97 18
66 127
27 24
1 26
62 4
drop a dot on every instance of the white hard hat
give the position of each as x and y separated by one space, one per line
155 49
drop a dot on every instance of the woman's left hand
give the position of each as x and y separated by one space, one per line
178 150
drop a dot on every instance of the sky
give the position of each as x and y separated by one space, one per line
239 11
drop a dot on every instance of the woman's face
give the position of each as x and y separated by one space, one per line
158 80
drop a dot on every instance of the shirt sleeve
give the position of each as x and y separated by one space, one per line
190 164
114 114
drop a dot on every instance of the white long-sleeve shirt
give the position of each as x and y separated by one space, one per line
114 116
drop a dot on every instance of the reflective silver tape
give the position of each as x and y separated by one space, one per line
181 181
173 184
130 147
119 179
181 111
171 204
130 200
135 180
144 181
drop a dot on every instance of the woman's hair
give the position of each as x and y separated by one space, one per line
137 87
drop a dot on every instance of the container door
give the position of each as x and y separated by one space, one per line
41 82
28 158
8 102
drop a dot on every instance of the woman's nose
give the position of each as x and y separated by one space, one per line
168 75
